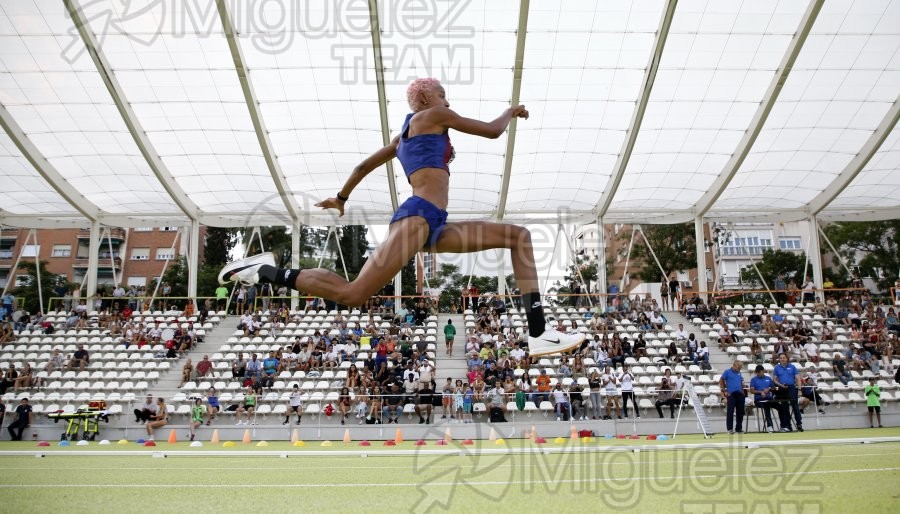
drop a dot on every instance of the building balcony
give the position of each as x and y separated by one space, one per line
6 255
116 234
102 262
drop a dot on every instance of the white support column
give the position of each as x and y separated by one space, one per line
601 260
194 262
295 262
702 286
815 255
93 256
501 272
37 270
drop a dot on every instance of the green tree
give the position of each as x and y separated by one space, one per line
354 247
408 279
774 263
28 290
176 276
674 247
219 242
873 245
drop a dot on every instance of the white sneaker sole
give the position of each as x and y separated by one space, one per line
538 347
244 270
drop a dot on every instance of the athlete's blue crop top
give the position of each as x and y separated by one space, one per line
424 150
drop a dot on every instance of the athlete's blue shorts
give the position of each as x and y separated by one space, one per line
418 206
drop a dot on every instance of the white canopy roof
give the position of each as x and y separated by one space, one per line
235 113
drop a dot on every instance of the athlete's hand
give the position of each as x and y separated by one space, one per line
519 111
332 203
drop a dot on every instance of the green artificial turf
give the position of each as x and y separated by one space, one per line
845 477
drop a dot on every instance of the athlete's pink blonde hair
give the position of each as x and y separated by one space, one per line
422 85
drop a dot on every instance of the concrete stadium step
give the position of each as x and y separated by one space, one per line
453 367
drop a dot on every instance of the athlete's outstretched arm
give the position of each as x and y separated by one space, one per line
371 162
447 118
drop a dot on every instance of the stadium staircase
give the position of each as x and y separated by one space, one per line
453 367
718 359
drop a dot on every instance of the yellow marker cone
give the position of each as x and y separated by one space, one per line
172 437
246 439
298 443
493 436
123 441
325 443
215 437
500 441
347 436
262 443
398 436
227 444
294 436
559 440
447 436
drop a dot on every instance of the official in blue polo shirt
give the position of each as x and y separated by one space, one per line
762 387
732 385
785 378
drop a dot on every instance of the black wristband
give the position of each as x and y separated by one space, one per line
342 197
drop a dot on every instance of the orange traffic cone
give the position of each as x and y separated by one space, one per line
294 436
215 437
493 436
447 436
347 436
573 433
533 435
246 439
172 438
398 437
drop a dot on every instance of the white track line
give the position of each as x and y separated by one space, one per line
229 464
435 484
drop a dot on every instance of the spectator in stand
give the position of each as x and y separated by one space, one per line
612 394
343 403
675 292
785 377
203 368
425 403
681 334
561 401
726 338
664 292
198 412
212 404
186 371
496 400
595 385
25 379
731 384
543 387
56 362
762 388
248 407
702 356
253 369
270 369
295 405
238 366
449 335
626 379
25 415
666 396
873 401
80 358
756 353
146 411
159 418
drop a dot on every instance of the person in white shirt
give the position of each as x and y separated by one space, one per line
612 394
626 379
517 354
681 333
561 401
812 351
295 404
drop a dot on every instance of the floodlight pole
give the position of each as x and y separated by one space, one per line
601 261
700 248
194 262
815 254
295 261
93 256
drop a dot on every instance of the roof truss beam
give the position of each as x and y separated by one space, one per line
637 117
262 135
521 32
858 162
762 112
137 132
49 172
375 27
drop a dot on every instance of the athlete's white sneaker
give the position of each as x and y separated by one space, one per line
552 341
246 271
